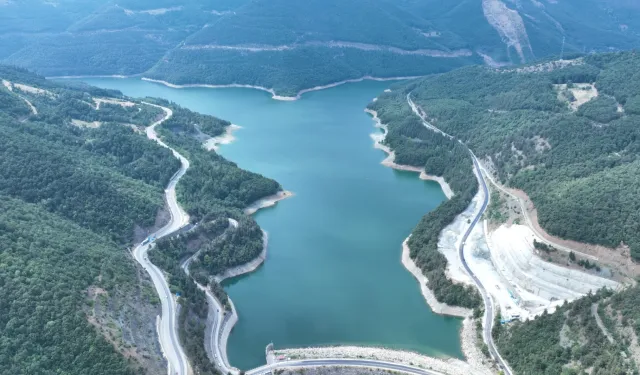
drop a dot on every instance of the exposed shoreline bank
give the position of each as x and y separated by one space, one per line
436 306
223 330
274 95
227 325
94 76
389 160
248 267
467 333
267 201
214 143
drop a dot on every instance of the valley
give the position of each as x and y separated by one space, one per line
268 187
266 300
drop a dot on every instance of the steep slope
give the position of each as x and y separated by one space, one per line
565 133
73 198
80 182
290 45
576 165
597 334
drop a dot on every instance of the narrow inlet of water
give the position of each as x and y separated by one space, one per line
333 274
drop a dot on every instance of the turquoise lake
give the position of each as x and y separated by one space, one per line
333 274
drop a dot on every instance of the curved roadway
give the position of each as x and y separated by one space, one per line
341 362
218 320
167 329
488 303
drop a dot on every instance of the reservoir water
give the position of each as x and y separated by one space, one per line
333 273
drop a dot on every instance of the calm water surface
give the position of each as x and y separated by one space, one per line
333 273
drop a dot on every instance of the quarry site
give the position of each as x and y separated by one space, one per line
522 279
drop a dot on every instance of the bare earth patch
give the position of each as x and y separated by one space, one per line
33 90
508 24
99 101
214 143
618 259
548 66
126 319
577 94
85 124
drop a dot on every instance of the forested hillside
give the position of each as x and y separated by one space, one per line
292 45
415 145
567 134
76 184
597 334
79 183
213 190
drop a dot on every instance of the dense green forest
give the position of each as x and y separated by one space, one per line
579 167
212 191
48 262
578 161
415 145
569 341
72 197
308 43
294 70
79 182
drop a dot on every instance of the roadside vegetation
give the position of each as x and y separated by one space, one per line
75 197
579 165
291 45
211 191
570 341
71 200
579 168
418 146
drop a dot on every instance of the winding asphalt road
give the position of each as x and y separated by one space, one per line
218 318
488 303
167 329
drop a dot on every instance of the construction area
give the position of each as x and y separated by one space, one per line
523 278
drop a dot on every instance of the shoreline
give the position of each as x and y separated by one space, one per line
389 160
224 329
210 86
268 201
273 93
248 267
214 143
92 76
436 307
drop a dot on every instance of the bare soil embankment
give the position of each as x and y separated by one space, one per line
214 143
273 92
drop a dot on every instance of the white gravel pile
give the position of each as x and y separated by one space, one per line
535 281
